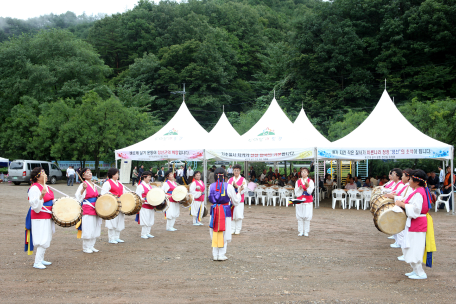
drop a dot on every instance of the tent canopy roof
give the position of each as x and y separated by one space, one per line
310 133
3 160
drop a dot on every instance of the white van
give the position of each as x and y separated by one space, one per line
19 171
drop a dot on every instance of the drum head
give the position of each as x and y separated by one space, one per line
155 196
179 193
66 209
128 201
106 205
389 221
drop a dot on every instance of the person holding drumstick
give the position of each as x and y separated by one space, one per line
173 211
304 208
38 224
116 225
237 212
197 189
419 224
87 194
146 215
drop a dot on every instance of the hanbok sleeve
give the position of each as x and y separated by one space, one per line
196 194
235 197
35 201
399 188
80 197
139 190
105 188
245 190
311 187
165 188
298 191
413 208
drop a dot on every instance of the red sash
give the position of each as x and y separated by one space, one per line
49 196
144 195
202 188
309 198
420 223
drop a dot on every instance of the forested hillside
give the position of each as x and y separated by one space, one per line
330 57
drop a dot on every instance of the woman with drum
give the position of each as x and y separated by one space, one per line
91 224
418 224
173 211
304 207
146 215
197 189
38 224
116 225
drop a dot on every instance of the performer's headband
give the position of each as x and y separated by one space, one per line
416 177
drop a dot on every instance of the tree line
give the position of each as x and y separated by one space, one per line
332 57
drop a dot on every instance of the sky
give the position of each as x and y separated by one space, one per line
25 9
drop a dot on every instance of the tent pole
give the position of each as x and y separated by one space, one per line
339 168
452 183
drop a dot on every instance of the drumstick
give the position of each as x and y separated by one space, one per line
58 191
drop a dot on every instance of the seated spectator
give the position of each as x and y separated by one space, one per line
328 180
351 184
433 181
374 181
367 183
251 185
274 180
281 182
383 181
358 181
290 181
265 181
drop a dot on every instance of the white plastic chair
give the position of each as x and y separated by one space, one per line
339 195
354 196
249 197
260 195
367 195
440 200
286 196
270 195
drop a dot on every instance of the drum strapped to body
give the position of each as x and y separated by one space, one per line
131 203
205 212
66 212
163 206
155 196
187 201
386 219
108 206
179 193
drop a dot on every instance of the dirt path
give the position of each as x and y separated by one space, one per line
345 259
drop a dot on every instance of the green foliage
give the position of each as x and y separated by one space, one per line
341 128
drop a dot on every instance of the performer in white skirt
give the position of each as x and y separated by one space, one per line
173 211
39 226
303 202
197 189
400 196
146 216
220 195
87 194
237 212
394 187
416 207
116 225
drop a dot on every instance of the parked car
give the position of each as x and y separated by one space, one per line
221 163
177 163
19 171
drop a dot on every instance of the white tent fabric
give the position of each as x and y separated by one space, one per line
368 141
4 160
272 138
303 125
181 138
222 136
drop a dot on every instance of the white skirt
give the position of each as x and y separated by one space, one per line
146 217
42 232
196 205
173 211
304 211
117 223
91 227
238 213
227 232
414 253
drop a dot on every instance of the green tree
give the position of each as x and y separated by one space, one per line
351 121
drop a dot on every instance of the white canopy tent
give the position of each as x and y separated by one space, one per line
272 138
4 160
400 141
222 136
182 138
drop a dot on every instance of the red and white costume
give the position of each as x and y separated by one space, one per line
401 196
238 211
173 211
147 212
304 210
42 225
116 225
197 189
91 223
